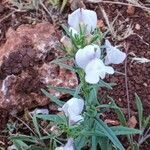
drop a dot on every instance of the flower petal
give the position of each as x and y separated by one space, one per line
83 16
75 119
85 55
74 19
73 107
109 70
59 148
93 70
114 55
90 19
91 78
68 146
96 69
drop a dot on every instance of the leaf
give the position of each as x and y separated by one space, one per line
65 66
53 98
146 122
77 91
20 145
140 109
94 143
92 99
105 144
65 28
120 130
80 142
58 119
109 133
104 84
62 59
36 125
63 89
119 113
24 138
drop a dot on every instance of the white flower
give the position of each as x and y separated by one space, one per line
85 55
114 55
72 109
68 146
88 59
84 17
95 70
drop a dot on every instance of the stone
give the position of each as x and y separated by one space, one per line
137 27
25 67
130 10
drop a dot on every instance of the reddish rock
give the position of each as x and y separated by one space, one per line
130 10
25 67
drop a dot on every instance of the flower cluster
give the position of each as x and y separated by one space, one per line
90 59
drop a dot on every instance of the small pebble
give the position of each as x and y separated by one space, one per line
130 10
101 24
145 84
137 27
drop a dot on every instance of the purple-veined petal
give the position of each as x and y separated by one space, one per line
85 55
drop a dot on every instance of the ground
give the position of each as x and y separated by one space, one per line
136 78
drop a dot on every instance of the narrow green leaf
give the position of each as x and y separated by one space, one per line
105 144
63 89
20 145
140 109
119 113
58 119
65 28
80 142
24 138
105 85
53 98
77 91
68 67
61 59
120 130
36 125
94 143
109 133
92 99
146 122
